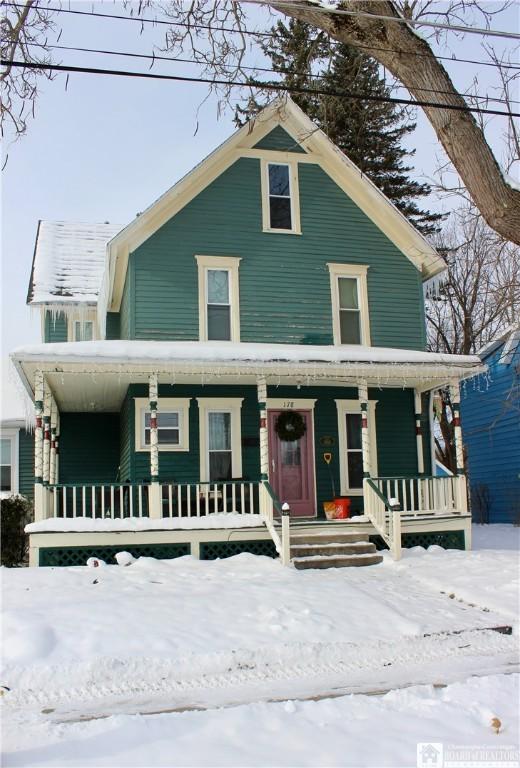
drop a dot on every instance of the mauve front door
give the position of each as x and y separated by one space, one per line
291 467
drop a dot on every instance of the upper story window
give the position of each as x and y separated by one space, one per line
349 295
172 424
8 461
280 199
219 311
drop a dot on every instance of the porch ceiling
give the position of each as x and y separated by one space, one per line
94 376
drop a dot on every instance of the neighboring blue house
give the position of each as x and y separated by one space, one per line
491 432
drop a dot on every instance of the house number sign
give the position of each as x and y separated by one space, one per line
288 404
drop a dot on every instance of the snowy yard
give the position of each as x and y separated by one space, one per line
106 665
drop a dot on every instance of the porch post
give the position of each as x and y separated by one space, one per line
462 500
418 431
155 501
52 460
39 494
264 437
365 434
47 406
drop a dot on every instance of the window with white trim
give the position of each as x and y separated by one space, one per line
83 330
219 311
349 296
220 438
350 445
172 424
280 197
9 461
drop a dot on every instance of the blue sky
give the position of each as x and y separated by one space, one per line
103 148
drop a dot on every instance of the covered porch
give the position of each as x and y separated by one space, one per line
104 397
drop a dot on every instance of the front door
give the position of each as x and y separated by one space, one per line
291 467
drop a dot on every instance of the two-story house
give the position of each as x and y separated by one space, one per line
256 336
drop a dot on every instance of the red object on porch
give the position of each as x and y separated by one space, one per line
342 508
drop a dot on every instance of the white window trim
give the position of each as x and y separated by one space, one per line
354 406
180 404
359 271
231 405
231 264
12 435
294 191
84 317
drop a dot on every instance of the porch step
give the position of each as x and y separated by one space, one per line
336 561
336 548
327 538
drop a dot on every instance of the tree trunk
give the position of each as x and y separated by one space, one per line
458 132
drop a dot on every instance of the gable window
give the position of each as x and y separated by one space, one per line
349 298
280 200
172 424
220 438
350 447
8 462
219 311
82 327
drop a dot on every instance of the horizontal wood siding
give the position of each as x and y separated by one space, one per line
89 447
26 463
279 139
113 329
55 327
284 281
395 426
490 419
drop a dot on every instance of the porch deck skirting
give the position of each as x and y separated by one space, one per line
449 531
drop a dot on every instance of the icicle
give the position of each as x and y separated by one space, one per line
432 287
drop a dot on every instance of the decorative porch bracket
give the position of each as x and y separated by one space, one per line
155 496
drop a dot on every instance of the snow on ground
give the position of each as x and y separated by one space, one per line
156 636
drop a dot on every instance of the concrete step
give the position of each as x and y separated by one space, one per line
336 548
328 538
336 561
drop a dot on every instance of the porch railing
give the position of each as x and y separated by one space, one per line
102 501
200 499
425 495
385 520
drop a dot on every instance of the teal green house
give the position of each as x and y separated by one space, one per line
256 337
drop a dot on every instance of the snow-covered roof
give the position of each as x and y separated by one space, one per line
136 351
510 338
69 262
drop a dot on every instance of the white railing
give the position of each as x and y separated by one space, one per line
425 495
200 499
269 502
385 520
109 500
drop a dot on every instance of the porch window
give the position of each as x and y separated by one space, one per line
83 330
350 446
280 198
8 461
219 313
219 445
349 299
172 424
220 438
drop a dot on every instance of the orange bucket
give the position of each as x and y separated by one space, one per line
342 508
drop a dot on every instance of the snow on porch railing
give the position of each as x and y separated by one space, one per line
425 495
109 500
206 498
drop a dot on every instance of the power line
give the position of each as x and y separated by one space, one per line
248 32
153 57
254 84
399 19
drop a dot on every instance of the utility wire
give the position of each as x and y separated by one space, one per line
253 33
154 57
254 84
399 19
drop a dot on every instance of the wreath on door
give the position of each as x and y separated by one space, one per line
290 426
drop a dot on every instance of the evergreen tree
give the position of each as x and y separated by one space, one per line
368 132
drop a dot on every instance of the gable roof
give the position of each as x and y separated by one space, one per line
509 339
69 262
244 143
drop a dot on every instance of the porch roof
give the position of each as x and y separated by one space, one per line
104 369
